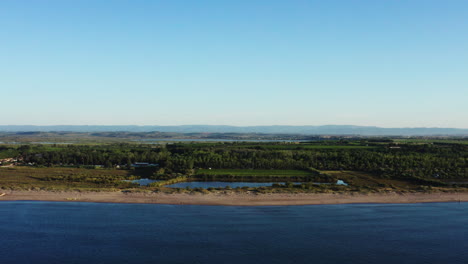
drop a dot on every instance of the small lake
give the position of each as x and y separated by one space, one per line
223 184
220 184
142 182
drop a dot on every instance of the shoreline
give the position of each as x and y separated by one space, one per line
234 199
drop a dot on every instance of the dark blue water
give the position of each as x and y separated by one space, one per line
47 232
218 184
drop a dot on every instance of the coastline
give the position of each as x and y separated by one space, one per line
233 199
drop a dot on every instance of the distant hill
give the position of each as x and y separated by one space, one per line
305 130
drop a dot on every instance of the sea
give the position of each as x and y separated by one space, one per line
73 232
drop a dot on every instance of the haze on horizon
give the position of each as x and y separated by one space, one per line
241 63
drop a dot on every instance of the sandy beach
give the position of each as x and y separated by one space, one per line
234 199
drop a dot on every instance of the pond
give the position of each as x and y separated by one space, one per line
224 184
341 182
220 184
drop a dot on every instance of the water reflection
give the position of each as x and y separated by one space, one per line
220 184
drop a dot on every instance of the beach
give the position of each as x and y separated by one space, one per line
233 199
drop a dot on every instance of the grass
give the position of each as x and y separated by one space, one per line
428 140
298 146
63 178
248 172
337 147
170 181
365 179
251 175
66 179
8 153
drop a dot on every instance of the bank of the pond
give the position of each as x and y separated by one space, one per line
233 198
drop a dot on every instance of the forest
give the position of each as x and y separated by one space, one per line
427 163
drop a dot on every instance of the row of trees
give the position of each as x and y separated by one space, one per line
430 161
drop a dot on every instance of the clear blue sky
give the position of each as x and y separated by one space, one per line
387 63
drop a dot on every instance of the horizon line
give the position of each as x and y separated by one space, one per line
135 125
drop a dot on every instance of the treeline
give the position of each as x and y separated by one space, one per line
105 155
441 161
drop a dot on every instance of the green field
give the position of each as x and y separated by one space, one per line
429 141
296 146
336 147
358 178
256 173
8 153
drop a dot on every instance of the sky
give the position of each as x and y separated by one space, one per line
388 63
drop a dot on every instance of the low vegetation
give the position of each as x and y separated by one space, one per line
64 178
